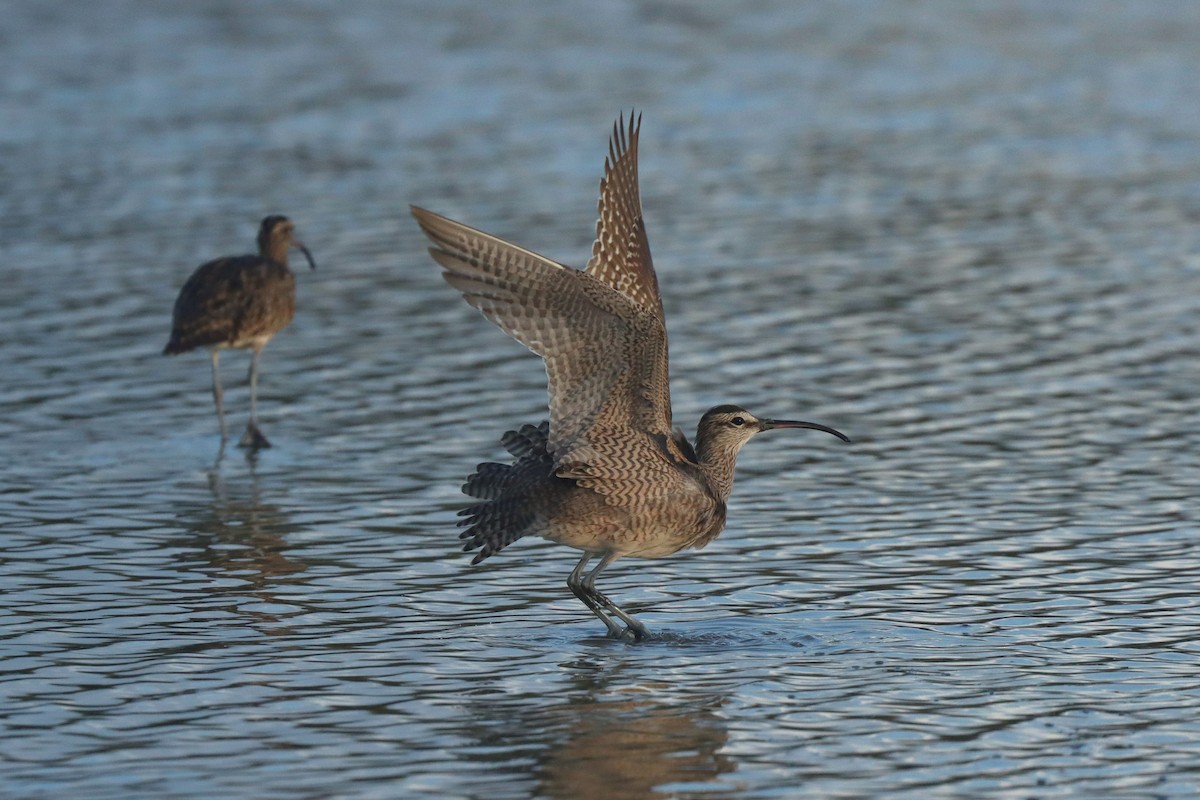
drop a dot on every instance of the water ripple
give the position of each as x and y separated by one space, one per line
967 238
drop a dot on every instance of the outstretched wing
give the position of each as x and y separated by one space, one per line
621 252
605 355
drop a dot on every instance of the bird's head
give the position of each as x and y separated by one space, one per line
724 429
276 235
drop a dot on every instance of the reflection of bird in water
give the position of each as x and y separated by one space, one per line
634 749
237 302
607 474
247 536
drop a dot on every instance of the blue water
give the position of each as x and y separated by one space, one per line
965 235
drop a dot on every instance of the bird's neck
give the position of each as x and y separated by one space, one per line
717 465
275 251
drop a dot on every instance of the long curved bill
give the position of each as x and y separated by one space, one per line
768 424
304 250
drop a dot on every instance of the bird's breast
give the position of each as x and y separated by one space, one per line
667 529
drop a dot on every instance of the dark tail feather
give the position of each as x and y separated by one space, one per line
492 481
527 440
508 513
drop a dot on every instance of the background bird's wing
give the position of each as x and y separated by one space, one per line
605 355
231 298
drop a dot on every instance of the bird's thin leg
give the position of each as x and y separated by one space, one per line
636 628
253 437
254 386
575 583
218 395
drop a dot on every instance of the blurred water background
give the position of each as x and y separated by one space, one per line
965 234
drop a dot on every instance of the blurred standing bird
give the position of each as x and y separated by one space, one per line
239 302
606 474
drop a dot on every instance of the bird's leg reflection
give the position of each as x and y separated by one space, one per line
214 472
584 587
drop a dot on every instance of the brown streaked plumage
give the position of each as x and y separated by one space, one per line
607 474
238 302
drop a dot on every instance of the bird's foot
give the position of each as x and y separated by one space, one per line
630 635
253 438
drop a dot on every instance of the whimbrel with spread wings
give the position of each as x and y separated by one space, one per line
607 474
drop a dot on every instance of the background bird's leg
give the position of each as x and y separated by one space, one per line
636 628
253 437
218 395
254 387
575 582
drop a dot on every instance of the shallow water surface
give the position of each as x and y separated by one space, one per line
967 238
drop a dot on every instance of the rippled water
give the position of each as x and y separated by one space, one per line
968 238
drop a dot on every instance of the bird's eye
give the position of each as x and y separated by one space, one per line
737 421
